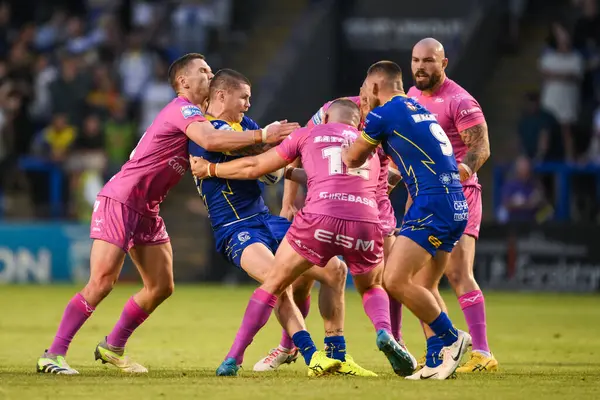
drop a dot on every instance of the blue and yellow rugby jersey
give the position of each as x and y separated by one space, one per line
418 145
226 200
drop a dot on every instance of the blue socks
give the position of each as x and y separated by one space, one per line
305 344
335 347
443 328
434 346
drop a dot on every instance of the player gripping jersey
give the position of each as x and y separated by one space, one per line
236 209
125 217
302 288
437 217
461 117
340 218
245 231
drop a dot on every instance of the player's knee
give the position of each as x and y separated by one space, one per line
301 289
100 285
457 276
162 291
339 273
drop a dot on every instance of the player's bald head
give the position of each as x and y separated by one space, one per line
428 64
344 111
430 46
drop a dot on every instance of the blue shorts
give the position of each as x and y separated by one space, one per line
436 222
262 228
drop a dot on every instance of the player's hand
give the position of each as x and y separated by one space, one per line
464 172
288 212
199 167
279 130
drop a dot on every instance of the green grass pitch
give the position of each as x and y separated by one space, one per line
548 346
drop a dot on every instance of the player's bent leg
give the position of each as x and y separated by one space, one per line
256 260
408 258
331 295
395 306
429 277
376 304
287 267
461 277
155 265
106 261
286 352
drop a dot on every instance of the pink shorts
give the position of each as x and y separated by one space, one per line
386 216
319 238
473 196
116 223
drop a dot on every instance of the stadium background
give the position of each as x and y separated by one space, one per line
80 81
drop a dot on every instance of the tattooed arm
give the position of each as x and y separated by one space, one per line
477 140
252 150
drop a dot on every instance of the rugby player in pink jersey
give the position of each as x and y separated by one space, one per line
461 117
125 218
340 218
302 287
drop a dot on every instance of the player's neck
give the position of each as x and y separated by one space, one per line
190 98
216 110
388 96
433 90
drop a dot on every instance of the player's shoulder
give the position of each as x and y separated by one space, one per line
220 124
249 124
413 92
185 107
457 93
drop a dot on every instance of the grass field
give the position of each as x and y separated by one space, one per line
548 347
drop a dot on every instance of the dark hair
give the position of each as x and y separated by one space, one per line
227 79
388 69
180 64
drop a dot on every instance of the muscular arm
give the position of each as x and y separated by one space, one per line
358 153
394 177
252 150
245 168
296 175
211 139
477 140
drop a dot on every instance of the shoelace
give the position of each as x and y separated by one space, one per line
273 354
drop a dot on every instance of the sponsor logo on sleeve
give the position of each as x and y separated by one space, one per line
189 111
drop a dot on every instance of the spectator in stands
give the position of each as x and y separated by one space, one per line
522 196
135 68
56 141
104 96
157 93
69 91
119 140
562 68
86 167
41 106
540 132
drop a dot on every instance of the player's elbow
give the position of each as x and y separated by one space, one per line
352 162
486 153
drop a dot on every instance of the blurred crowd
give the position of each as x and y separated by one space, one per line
561 122
81 80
